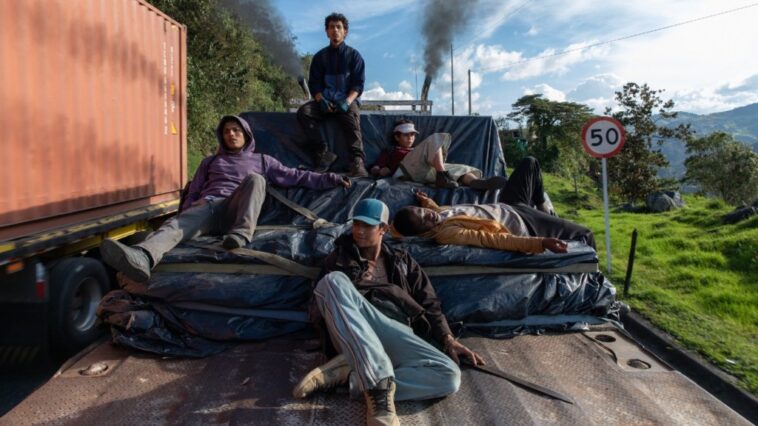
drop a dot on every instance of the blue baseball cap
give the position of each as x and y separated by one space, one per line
371 211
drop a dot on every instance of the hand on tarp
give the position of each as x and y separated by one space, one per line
555 245
345 181
325 106
455 350
344 106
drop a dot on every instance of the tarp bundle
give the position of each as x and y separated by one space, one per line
229 299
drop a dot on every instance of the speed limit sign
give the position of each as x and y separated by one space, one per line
603 137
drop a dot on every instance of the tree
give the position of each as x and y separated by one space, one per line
554 132
227 71
721 166
632 173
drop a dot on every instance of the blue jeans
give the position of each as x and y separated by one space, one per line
377 347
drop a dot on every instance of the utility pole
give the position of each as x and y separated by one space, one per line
452 83
469 92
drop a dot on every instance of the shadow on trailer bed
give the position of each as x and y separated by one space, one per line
251 383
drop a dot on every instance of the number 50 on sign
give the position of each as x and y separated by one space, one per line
603 137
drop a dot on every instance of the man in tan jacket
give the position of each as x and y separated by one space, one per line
518 227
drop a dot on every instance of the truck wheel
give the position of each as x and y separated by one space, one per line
76 286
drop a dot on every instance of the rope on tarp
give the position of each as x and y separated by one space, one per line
284 315
310 215
278 265
281 265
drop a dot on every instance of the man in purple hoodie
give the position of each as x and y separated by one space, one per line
225 197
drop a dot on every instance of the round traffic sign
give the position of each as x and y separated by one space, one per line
603 137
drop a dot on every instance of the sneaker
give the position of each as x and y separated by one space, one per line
132 261
357 169
233 241
332 374
380 404
324 161
495 182
444 180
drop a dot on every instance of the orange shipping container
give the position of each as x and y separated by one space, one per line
92 111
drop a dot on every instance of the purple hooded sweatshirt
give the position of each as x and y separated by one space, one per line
220 175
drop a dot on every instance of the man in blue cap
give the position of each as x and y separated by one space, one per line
378 306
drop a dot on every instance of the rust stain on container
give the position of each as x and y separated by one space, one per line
93 101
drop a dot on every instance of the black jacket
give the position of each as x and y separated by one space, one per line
408 297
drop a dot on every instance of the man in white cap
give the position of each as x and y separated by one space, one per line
377 304
425 162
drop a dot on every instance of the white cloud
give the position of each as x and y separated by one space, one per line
553 62
405 86
596 86
547 91
533 31
495 57
377 93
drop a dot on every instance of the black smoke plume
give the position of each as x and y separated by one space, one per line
442 20
269 29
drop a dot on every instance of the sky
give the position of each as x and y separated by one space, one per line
513 48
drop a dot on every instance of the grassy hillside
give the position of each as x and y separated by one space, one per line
693 276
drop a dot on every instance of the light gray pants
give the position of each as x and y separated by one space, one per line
236 214
377 347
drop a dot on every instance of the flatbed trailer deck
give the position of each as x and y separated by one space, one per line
611 379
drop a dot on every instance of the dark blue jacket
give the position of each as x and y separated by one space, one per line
335 71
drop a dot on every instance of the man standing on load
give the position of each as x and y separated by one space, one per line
335 81
225 197
378 306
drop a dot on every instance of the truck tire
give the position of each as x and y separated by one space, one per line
77 285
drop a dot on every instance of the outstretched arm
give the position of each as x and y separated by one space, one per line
456 234
284 176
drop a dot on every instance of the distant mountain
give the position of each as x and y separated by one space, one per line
741 123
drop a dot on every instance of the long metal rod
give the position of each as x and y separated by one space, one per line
519 381
607 223
469 92
630 264
452 83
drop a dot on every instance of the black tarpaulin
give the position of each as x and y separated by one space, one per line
475 141
228 305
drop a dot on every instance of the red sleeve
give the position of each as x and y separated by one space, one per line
384 159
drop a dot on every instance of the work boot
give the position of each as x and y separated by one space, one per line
495 182
357 169
380 404
132 261
444 180
323 160
333 373
233 241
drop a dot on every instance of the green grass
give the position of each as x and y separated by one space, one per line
693 276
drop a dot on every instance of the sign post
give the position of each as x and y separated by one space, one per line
603 137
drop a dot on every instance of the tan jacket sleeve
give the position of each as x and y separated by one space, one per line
495 240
